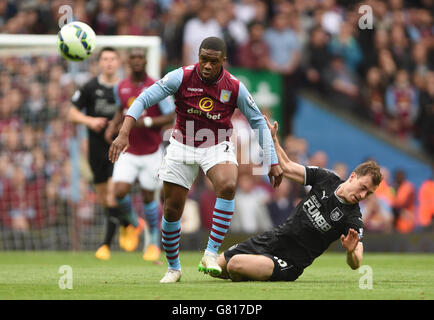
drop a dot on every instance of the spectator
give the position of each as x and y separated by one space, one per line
197 29
317 58
420 65
341 170
254 53
332 17
400 47
373 97
250 215
281 203
402 105
344 86
233 31
173 32
425 199
345 45
377 215
403 203
285 57
424 122
104 22
387 65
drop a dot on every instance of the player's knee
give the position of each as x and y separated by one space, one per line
235 267
173 210
121 190
226 189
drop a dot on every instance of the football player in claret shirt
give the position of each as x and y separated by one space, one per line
93 105
206 96
145 154
330 211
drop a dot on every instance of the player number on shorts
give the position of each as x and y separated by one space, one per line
282 263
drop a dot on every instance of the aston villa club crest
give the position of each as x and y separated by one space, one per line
225 96
336 214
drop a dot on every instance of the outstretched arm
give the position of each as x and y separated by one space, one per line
354 248
291 170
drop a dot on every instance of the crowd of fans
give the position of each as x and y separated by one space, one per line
382 74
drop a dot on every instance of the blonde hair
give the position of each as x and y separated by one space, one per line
369 168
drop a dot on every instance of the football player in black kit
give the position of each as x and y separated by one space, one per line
96 99
329 212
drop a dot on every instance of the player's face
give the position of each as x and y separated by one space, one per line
210 64
137 62
109 62
359 188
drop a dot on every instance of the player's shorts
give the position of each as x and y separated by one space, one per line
181 162
130 167
284 269
101 166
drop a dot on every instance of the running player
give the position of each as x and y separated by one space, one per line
206 96
329 212
144 156
97 100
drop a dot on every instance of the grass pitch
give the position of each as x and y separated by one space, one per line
35 275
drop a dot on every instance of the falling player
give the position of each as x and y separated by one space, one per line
206 96
144 156
329 212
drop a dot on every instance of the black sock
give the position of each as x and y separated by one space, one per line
118 214
110 230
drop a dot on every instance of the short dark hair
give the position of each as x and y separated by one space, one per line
370 168
214 43
111 49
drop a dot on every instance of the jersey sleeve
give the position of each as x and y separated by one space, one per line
248 107
166 105
354 221
80 98
315 174
160 90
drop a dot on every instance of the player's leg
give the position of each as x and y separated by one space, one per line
126 170
149 182
244 267
223 176
112 220
152 215
178 172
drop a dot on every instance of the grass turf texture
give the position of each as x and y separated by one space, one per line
34 275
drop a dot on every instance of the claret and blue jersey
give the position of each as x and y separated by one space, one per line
205 110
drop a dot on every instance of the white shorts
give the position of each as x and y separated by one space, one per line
130 167
181 162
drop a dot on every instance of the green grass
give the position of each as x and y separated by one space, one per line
34 275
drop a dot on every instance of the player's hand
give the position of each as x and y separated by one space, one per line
275 175
273 127
120 144
97 123
350 241
110 132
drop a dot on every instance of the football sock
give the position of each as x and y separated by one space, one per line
221 220
170 236
115 214
152 217
127 210
111 224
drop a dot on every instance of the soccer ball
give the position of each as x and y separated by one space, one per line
76 41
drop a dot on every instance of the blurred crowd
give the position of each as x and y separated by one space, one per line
382 74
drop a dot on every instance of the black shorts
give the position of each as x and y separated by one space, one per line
102 167
284 269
